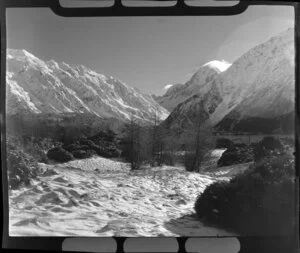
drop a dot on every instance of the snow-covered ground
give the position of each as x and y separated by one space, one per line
102 197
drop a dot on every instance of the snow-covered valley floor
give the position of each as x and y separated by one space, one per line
102 197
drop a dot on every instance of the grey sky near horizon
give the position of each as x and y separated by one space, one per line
145 52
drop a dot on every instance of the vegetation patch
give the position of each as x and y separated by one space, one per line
224 143
36 147
268 146
59 154
258 202
21 167
83 154
102 144
235 154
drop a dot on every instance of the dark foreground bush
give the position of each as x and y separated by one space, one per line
21 167
259 202
288 141
59 154
268 146
224 143
238 153
189 160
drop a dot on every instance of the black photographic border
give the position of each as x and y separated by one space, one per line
249 244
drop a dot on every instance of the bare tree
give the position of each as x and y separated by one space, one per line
156 139
198 140
131 143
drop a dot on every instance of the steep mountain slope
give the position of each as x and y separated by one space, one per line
198 84
198 107
259 85
36 86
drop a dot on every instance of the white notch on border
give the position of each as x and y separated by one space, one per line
108 245
86 3
211 3
213 245
159 244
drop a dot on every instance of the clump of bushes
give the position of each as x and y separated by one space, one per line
86 147
235 154
268 146
224 143
59 154
34 146
259 202
21 167
288 141
82 154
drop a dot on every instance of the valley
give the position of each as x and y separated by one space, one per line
88 155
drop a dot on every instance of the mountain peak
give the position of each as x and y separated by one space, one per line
219 66
16 53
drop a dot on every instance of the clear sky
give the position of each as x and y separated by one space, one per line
145 52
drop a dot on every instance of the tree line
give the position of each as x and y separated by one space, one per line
156 145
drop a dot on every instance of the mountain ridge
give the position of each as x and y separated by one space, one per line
36 86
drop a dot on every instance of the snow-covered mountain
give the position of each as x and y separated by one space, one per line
198 84
36 86
259 84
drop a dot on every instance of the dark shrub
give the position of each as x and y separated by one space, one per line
103 136
267 146
168 158
271 143
82 154
75 147
103 152
71 147
258 202
240 145
59 154
276 168
86 142
33 146
21 167
224 143
189 160
109 151
84 147
290 141
238 153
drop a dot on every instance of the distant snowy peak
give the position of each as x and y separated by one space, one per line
173 88
37 86
219 66
199 83
168 86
